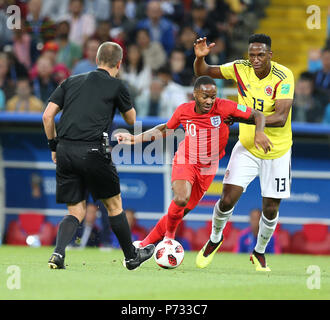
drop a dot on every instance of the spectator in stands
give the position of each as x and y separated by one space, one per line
309 103
121 26
2 100
219 13
89 63
314 60
322 77
41 29
160 28
248 237
44 84
136 74
6 33
24 101
186 41
326 119
102 33
200 22
60 70
100 9
16 69
217 55
88 234
173 10
172 95
6 84
148 102
153 52
22 46
180 74
82 25
69 53
54 9
137 231
130 9
162 97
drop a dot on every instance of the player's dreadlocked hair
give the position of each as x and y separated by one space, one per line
203 80
261 38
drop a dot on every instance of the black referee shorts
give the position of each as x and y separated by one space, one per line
81 168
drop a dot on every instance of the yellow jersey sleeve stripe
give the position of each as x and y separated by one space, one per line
279 73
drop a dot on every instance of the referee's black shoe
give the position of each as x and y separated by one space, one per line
56 261
142 255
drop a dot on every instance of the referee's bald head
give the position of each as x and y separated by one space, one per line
109 54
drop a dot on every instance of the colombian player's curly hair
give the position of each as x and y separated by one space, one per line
261 38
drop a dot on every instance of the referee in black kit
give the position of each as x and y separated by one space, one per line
80 149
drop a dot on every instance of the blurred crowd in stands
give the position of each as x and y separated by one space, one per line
312 93
60 38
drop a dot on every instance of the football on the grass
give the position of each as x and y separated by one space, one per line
169 254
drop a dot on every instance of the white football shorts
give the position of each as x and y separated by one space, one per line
274 174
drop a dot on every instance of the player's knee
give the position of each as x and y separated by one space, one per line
226 203
270 211
181 201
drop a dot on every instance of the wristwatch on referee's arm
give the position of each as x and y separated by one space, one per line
52 143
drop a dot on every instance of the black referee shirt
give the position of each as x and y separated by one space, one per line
89 102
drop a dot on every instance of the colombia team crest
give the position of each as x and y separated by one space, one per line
268 90
215 121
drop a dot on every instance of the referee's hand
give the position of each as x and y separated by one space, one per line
124 138
54 156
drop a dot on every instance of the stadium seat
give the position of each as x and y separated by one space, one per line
230 235
30 224
283 238
186 233
312 239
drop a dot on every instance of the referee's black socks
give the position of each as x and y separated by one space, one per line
120 227
66 231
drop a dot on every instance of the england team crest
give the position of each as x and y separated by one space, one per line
215 121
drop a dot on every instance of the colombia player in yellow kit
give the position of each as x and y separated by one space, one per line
268 87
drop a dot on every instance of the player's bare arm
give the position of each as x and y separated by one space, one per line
48 119
157 132
260 138
259 120
279 117
201 68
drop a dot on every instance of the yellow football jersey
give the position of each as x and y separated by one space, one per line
261 95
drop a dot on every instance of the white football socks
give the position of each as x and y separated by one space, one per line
219 220
266 230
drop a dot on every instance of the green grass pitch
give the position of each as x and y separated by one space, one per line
95 274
